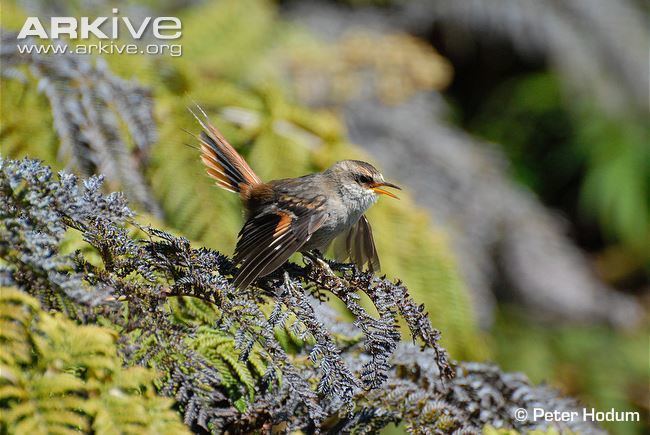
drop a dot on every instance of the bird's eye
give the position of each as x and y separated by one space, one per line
364 179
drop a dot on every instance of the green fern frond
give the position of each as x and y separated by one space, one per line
59 377
220 349
194 310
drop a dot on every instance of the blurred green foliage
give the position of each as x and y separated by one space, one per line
16 129
555 141
392 66
597 167
489 430
601 367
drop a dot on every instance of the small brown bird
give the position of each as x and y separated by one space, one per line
295 214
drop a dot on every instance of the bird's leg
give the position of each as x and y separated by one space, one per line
314 260
315 257
326 277
310 255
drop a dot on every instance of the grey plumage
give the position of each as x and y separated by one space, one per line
295 214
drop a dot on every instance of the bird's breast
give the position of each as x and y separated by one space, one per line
342 215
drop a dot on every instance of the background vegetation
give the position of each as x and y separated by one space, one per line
253 64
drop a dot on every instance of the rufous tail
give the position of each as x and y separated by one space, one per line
223 163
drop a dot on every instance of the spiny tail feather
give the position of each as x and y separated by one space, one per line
223 162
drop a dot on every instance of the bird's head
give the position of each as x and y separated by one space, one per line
360 179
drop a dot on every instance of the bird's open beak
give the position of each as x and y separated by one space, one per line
377 188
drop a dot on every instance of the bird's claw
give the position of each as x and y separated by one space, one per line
326 267
316 259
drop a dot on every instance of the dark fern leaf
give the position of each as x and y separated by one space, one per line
219 351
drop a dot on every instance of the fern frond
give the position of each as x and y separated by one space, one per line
74 380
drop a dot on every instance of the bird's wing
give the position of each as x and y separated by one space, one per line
269 238
358 245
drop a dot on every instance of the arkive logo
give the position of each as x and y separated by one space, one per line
112 27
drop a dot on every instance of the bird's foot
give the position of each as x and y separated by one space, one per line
324 273
325 266
316 259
